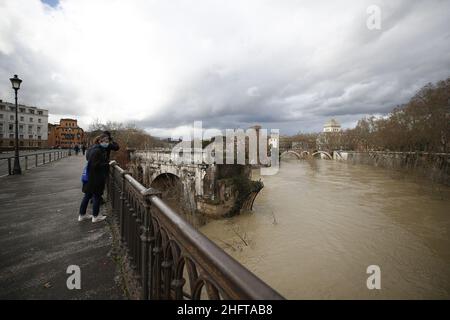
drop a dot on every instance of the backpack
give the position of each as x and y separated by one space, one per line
85 173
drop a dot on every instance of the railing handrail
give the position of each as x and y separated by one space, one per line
217 260
32 154
232 277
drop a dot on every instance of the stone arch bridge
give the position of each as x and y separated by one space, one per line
204 190
306 154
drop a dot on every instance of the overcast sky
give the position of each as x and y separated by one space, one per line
286 64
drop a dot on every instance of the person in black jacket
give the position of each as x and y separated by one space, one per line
113 146
97 174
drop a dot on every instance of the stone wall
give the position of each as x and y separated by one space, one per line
434 166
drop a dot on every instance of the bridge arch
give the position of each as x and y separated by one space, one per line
291 152
164 181
324 153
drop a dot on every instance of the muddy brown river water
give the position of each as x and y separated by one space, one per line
317 225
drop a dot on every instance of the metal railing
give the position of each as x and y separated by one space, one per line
30 160
170 258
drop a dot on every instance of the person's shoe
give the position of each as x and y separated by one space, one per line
98 218
86 216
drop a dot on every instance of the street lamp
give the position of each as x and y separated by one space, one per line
16 86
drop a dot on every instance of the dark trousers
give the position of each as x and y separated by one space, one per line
95 203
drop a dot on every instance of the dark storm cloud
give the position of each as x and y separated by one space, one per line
283 64
371 72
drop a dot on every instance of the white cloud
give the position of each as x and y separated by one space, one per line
253 92
164 64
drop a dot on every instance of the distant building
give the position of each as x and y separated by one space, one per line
32 126
332 126
65 135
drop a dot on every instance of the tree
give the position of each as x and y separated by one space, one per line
422 124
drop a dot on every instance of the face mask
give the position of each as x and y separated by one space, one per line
104 144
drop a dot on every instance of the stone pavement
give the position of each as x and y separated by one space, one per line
40 237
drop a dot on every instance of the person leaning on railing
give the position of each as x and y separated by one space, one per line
112 146
97 172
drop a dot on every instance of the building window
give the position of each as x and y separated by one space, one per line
30 136
22 119
2 107
30 128
39 137
31 111
11 109
31 119
11 117
11 136
39 120
21 136
40 113
22 110
1 116
11 127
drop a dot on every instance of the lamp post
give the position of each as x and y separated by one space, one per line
16 86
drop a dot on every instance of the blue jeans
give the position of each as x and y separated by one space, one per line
95 203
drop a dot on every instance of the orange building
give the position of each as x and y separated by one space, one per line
66 134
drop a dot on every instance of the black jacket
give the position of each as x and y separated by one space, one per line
98 170
113 146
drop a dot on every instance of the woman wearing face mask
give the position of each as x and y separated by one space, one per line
97 172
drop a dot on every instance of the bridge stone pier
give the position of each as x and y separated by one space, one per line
207 190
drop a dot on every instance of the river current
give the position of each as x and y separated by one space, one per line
317 225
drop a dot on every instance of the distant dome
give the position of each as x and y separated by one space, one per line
332 126
332 123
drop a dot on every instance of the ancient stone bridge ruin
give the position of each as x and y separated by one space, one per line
199 190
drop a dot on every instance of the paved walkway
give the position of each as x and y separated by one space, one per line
40 237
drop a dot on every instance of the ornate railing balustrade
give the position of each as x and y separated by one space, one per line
31 160
169 257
